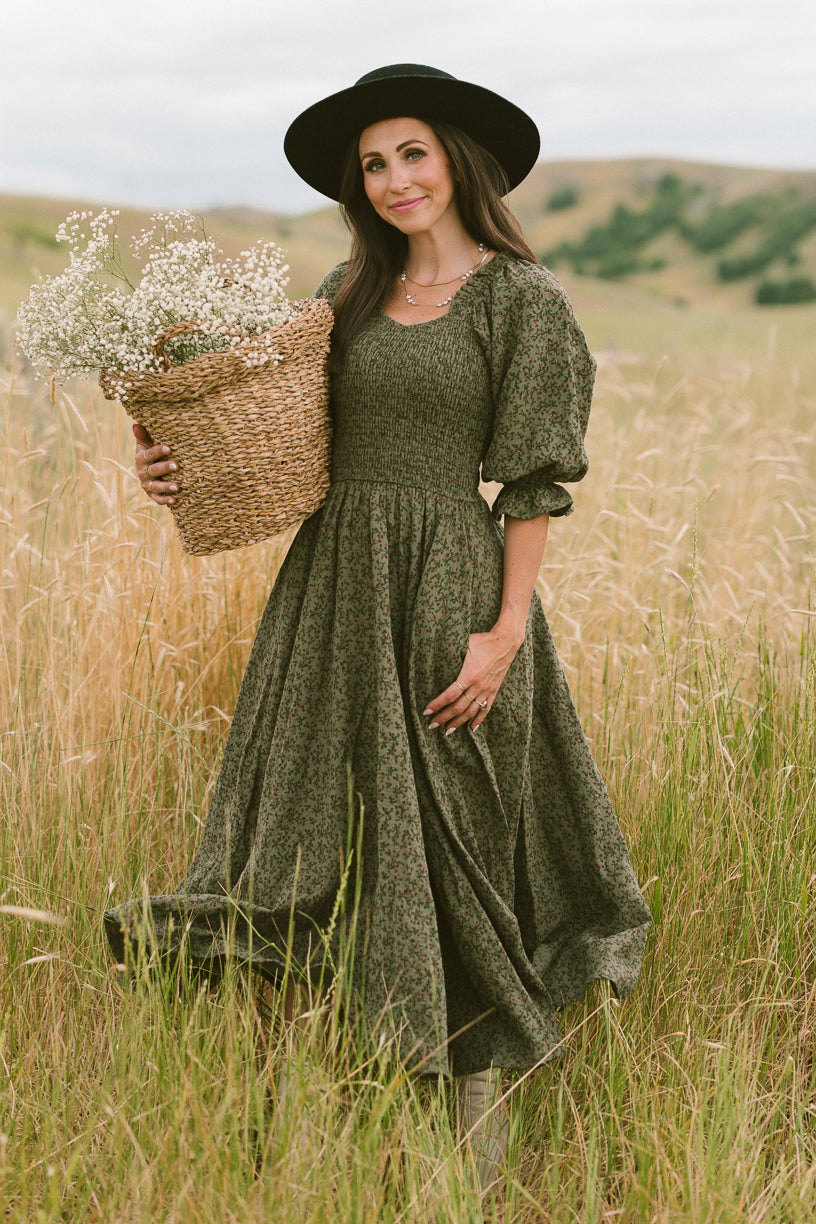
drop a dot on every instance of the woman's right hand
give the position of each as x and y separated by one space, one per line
153 464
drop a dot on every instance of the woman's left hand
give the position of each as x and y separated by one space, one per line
470 698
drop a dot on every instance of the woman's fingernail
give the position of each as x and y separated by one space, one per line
477 728
450 730
427 713
173 467
432 726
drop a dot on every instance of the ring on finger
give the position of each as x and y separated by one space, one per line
481 704
460 686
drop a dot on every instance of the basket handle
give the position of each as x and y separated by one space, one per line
179 329
302 321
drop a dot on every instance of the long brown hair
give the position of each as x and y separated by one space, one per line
378 250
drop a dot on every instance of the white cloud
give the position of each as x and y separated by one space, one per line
166 104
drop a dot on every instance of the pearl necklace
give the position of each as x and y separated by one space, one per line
465 276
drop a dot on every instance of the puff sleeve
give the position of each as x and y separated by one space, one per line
542 378
331 282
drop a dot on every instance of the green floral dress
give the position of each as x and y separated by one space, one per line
492 882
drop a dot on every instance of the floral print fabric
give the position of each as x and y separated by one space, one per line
494 882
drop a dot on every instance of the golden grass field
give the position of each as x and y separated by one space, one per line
683 601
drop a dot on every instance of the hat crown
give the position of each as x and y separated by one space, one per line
395 71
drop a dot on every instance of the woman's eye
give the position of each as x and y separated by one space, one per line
373 165
414 154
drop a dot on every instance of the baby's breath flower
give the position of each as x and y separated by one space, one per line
91 317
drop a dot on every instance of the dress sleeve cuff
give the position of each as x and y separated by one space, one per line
530 496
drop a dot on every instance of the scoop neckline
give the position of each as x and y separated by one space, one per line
441 318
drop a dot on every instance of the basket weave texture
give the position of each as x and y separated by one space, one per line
253 442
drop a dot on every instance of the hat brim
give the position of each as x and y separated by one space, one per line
317 139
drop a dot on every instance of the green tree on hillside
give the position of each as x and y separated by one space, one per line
789 228
777 293
22 233
725 222
561 198
613 250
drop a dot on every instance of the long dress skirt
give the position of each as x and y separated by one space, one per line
475 882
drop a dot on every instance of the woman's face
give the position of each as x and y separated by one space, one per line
406 174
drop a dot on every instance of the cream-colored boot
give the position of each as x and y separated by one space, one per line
484 1124
298 1012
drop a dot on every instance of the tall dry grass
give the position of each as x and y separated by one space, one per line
682 598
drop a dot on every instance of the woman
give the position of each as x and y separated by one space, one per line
402 638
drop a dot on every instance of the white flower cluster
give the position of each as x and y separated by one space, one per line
92 317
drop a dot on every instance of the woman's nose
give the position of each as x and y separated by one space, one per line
399 178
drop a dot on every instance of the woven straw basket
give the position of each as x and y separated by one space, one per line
253 442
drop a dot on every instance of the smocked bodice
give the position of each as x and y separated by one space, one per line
504 380
413 405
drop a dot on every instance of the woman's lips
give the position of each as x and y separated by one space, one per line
407 205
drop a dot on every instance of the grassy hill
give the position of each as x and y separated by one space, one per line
685 233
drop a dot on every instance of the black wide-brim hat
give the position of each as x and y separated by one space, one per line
318 139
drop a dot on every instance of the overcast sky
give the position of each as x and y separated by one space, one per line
165 103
